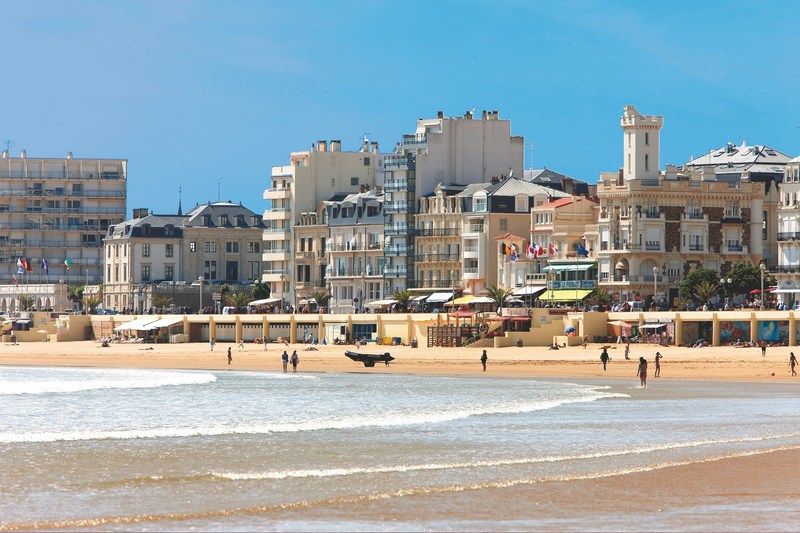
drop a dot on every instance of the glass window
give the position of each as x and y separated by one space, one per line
193 246
503 224
169 272
169 250
145 272
145 250
211 247
210 270
480 204
231 247
354 181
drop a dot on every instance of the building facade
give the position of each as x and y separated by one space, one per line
311 234
218 242
58 209
312 176
655 226
787 272
442 150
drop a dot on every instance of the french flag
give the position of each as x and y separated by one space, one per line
551 250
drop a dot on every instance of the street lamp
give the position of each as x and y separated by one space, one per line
200 309
655 283
363 294
725 283
763 269
283 286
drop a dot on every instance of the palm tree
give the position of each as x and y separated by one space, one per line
162 300
402 297
321 297
602 297
499 294
26 302
238 300
75 294
705 290
260 290
92 302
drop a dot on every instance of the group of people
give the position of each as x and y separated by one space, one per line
641 370
294 359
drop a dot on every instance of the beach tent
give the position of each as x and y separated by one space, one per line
139 324
380 303
166 322
265 301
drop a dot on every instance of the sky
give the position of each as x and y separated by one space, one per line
202 95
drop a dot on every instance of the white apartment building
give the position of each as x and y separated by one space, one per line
311 177
447 151
57 209
788 270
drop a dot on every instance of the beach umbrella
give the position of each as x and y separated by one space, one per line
755 291
43 332
569 329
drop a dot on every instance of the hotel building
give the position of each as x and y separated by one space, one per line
787 272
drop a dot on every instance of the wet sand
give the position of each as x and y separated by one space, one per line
721 363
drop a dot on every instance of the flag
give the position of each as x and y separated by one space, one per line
28 264
536 250
582 251
514 253
19 262
551 250
24 262
529 251
44 266
68 263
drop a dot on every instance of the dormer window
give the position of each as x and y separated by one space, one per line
223 220
169 230
240 221
207 221
146 230
521 203
479 203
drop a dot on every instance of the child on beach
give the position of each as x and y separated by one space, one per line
792 363
484 358
658 365
230 356
285 361
295 360
641 372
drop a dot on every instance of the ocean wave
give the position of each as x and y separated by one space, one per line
335 472
398 419
110 379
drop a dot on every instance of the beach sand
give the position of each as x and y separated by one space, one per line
721 363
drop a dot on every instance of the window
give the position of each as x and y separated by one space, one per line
124 272
366 161
480 204
232 271
145 272
210 270
503 224
253 247
145 250
333 182
211 247
193 246
169 250
354 181
169 272
521 203
646 162
647 139
108 273
116 273
231 247
125 250
109 251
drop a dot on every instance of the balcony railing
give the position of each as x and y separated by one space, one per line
399 185
788 269
45 193
395 270
59 174
475 228
399 228
650 214
434 284
694 215
397 250
398 206
788 235
470 270
398 161
652 245
435 232
650 182
734 247
354 272
26 243
434 258
696 247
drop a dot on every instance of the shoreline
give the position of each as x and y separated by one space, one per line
704 364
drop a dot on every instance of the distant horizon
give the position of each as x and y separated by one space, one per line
191 92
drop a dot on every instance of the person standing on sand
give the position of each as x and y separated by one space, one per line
604 358
265 343
658 365
211 343
484 358
628 351
230 356
763 349
241 343
641 372
285 361
295 360
792 363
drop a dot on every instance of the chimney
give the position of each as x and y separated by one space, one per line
374 147
140 212
440 114
322 146
336 145
468 115
23 154
69 155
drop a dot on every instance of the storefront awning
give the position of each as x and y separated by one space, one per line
265 301
787 291
139 324
575 267
531 289
381 303
464 300
165 322
564 295
652 326
438 297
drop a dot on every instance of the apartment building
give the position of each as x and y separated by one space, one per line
354 249
787 272
655 226
57 209
218 242
310 233
447 151
555 180
437 230
310 177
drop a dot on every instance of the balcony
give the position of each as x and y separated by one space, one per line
435 232
437 258
415 142
397 250
652 246
352 272
398 206
278 193
32 173
474 228
697 248
275 254
398 161
405 184
354 247
395 271
788 235
278 213
734 248
650 182
573 284
398 228
787 269
694 215
649 214
434 284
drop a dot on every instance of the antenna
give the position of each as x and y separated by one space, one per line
530 155
180 209
9 142
219 182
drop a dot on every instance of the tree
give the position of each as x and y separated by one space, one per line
92 302
601 297
688 287
238 300
162 300
746 277
321 297
75 294
26 302
705 291
260 290
499 295
402 298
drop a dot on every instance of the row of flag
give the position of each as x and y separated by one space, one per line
25 264
534 251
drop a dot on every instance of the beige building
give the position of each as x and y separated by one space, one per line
311 234
57 209
219 242
437 229
787 272
562 223
655 226
312 176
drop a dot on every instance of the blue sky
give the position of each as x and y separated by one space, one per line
191 92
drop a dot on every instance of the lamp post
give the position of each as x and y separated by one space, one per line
283 288
655 283
200 309
364 293
763 269
725 283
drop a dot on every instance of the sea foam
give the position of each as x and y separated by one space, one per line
79 380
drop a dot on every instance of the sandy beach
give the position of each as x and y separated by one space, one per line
721 363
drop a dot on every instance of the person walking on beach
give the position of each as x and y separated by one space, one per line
230 356
484 358
792 363
241 343
295 360
628 351
604 358
211 343
285 361
658 365
763 349
265 343
641 372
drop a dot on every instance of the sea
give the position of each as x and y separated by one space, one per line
113 449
